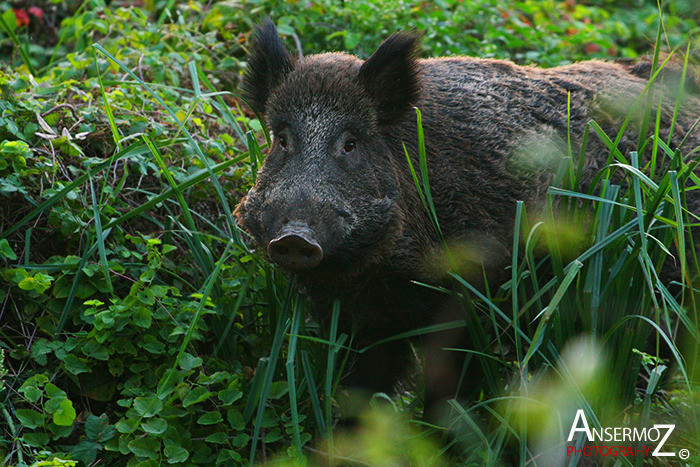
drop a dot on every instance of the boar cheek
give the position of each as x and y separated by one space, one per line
247 218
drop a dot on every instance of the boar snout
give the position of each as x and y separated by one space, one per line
295 248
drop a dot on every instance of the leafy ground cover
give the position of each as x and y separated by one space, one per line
137 328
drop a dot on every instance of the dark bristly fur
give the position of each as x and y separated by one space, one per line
268 63
337 176
391 66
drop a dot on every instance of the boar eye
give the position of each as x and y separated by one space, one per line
349 146
283 141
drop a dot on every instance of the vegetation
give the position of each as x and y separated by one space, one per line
137 327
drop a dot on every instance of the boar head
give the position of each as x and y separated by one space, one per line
328 196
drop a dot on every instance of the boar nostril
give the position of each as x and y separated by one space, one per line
295 249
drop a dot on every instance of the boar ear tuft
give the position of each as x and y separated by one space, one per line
268 63
390 75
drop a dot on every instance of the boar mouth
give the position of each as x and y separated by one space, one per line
319 251
295 248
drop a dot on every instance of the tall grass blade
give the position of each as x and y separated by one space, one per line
313 393
108 108
21 46
233 228
546 313
297 315
100 237
330 367
268 375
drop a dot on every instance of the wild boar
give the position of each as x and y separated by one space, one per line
336 205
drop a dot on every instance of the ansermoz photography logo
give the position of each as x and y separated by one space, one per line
633 441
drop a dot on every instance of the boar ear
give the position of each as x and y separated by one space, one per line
390 75
268 63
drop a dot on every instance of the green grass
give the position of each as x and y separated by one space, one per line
139 328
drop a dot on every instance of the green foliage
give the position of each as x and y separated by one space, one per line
545 32
609 293
138 328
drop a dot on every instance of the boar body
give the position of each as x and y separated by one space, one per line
336 205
